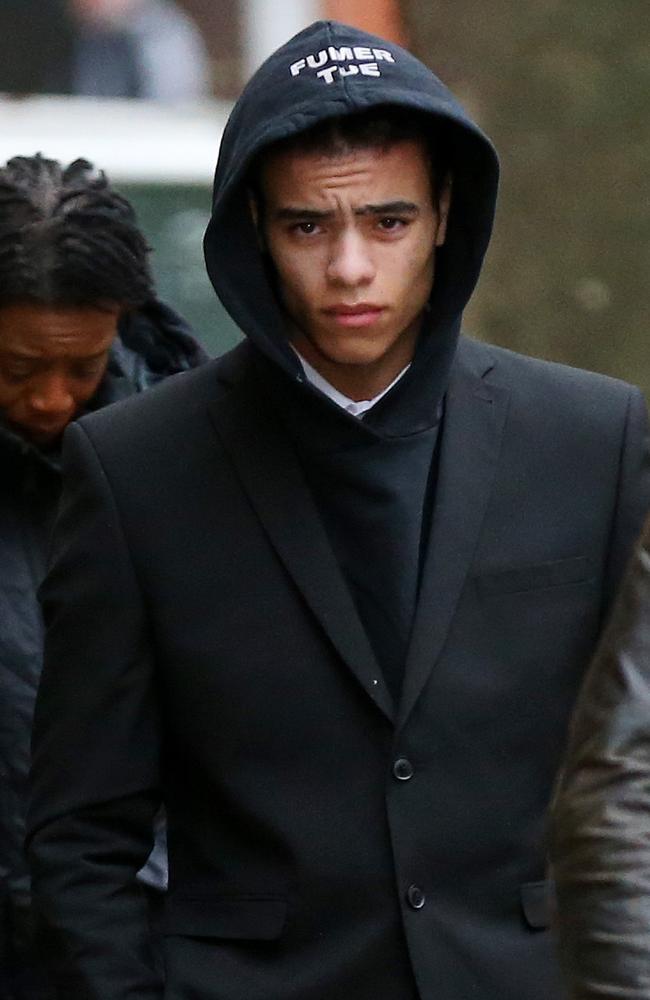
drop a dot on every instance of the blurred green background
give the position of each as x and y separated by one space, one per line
563 89
174 218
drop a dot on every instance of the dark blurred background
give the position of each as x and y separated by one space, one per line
561 85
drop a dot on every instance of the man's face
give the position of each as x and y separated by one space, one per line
52 360
353 237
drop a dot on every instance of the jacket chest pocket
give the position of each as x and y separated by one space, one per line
546 575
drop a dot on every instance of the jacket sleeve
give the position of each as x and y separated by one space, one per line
95 768
600 829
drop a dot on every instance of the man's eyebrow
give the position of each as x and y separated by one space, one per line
389 208
292 213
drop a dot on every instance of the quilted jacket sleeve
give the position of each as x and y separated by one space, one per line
95 750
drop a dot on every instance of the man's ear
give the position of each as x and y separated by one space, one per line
254 206
444 204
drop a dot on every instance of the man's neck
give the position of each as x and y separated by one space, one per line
357 381
356 408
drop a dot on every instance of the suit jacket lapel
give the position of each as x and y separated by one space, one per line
271 477
473 424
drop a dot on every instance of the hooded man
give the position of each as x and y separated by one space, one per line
341 639
80 327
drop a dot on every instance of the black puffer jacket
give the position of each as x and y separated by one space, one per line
152 344
601 818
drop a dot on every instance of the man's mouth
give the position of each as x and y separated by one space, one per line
361 315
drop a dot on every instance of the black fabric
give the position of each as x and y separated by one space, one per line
372 499
372 488
151 345
232 677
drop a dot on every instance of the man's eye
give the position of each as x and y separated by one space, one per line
306 228
390 223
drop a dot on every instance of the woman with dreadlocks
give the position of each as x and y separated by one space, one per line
80 327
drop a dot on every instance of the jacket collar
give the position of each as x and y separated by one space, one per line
474 420
270 474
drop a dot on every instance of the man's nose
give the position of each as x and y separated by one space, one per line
52 396
351 261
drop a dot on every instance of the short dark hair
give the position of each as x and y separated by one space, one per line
378 127
68 238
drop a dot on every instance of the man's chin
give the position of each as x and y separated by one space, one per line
346 352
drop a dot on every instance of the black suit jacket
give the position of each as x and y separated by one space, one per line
203 648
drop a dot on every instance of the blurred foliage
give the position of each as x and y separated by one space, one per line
173 218
562 87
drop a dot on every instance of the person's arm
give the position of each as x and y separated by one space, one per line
95 769
632 494
600 829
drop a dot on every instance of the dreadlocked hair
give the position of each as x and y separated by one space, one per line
67 238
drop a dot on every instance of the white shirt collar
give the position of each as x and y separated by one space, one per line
355 408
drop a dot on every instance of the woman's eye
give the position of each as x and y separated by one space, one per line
17 374
87 371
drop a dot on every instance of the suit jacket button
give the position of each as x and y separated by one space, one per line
415 897
403 769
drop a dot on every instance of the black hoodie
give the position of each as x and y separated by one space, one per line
372 480
292 92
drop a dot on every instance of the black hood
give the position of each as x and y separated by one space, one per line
327 70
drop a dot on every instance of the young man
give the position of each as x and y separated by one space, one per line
340 639
80 327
